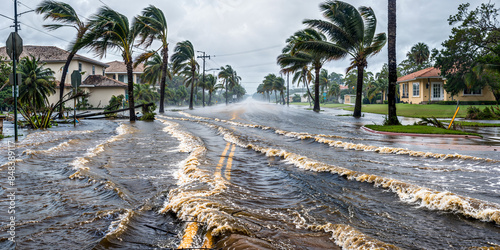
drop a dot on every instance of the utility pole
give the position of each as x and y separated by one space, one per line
288 89
203 57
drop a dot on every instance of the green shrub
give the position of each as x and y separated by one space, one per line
488 113
148 116
467 103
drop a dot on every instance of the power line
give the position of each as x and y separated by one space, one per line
256 65
250 51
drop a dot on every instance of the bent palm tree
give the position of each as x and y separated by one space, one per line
184 60
153 26
65 14
210 84
230 78
350 32
112 30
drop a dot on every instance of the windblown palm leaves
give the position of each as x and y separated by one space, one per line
67 16
350 32
110 30
184 60
153 26
38 83
230 78
210 85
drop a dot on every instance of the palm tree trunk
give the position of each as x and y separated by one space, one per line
316 107
163 78
393 77
63 79
192 89
209 98
130 76
359 92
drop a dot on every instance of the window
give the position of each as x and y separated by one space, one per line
138 79
122 78
80 66
93 70
473 91
405 91
416 89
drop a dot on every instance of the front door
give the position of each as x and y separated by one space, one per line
437 91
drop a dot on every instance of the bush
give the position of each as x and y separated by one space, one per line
366 100
148 116
488 113
386 102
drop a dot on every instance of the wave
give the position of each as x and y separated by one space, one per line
322 138
409 193
192 203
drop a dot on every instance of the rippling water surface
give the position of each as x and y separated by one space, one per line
250 176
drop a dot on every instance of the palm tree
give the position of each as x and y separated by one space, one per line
210 84
153 71
350 32
109 29
230 78
38 83
419 53
392 118
324 81
299 56
144 94
153 26
65 14
184 60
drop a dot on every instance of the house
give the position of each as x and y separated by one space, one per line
118 70
427 86
349 99
94 82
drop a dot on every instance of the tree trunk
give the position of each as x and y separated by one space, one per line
359 92
316 107
163 78
63 79
203 100
130 90
192 89
209 98
393 77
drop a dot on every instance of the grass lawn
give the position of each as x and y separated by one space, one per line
328 105
418 110
473 124
417 129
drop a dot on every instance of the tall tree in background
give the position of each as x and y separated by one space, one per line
474 44
392 118
351 32
419 53
230 78
184 60
153 26
109 29
65 14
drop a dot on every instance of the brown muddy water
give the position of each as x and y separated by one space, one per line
247 176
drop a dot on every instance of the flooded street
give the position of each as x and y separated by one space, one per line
250 175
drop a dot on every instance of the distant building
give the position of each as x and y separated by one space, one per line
349 99
118 70
94 82
427 86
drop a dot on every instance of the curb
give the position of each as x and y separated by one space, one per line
421 135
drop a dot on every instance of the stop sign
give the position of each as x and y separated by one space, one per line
14 41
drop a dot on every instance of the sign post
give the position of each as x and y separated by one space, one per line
14 48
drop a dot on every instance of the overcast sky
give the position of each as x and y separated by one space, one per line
246 34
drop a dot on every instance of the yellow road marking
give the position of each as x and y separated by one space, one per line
209 240
221 161
229 163
189 233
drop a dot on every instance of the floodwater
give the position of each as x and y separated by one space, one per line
248 176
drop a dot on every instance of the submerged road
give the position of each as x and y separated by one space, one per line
253 175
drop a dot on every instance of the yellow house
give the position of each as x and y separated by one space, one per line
427 86
349 99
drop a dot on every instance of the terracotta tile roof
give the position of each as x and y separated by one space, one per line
50 54
425 73
120 67
102 81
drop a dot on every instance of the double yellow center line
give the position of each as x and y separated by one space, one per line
229 162
192 227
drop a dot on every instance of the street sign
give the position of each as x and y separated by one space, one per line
76 79
14 41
